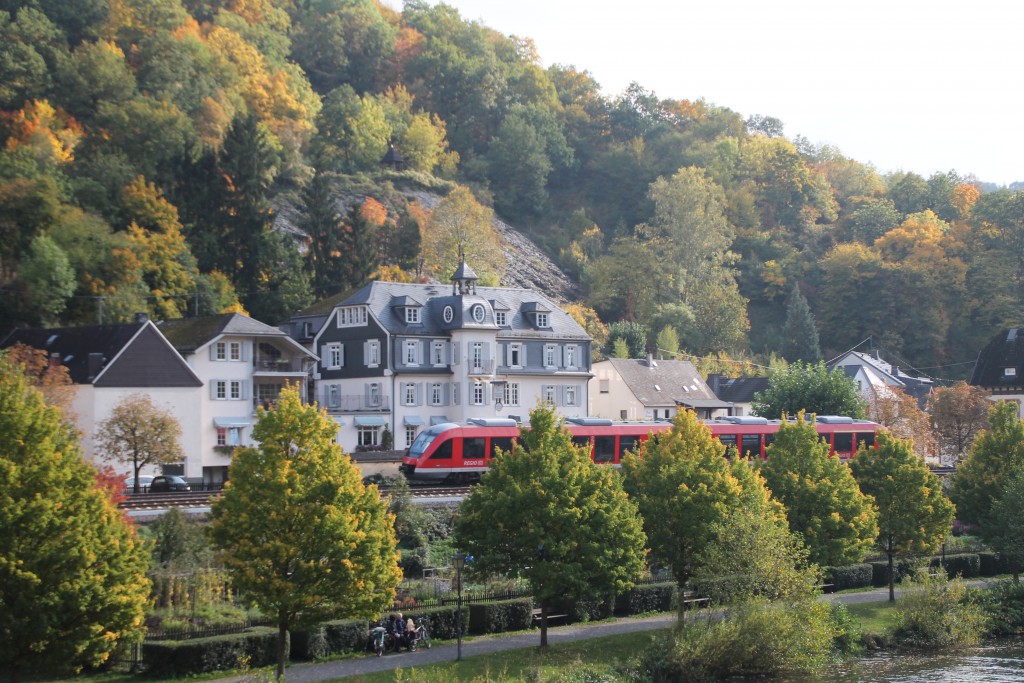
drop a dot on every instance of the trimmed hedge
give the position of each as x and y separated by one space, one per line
652 597
176 658
880 571
441 621
849 576
966 565
992 564
592 609
330 638
501 616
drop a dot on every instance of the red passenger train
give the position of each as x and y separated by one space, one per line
461 453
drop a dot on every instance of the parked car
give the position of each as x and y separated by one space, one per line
168 482
144 481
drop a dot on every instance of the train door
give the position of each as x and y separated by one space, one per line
474 451
750 445
604 449
627 442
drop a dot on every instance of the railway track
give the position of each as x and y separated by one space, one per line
163 501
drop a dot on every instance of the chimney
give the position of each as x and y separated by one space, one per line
141 317
650 361
715 382
55 360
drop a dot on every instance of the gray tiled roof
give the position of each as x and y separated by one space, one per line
1004 350
678 381
380 297
188 334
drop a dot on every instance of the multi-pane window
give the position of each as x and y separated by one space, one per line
570 356
570 396
227 389
478 393
220 351
351 316
542 320
437 353
373 394
477 355
549 355
235 389
335 356
410 434
549 394
500 318
512 394
229 436
410 394
373 353
333 396
412 352
412 315
235 350
367 435
220 390
436 394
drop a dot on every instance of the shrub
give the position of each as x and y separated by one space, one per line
936 612
589 609
993 564
1004 603
901 568
653 597
966 565
172 659
849 576
758 639
330 638
441 621
502 616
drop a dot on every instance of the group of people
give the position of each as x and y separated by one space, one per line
403 631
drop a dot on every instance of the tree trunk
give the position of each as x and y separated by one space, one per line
681 606
543 622
892 589
282 638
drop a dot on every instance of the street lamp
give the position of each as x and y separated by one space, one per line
460 563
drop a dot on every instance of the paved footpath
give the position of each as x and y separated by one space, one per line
483 645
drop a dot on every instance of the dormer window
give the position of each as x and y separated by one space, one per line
478 313
412 315
1009 372
352 316
500 318
542 319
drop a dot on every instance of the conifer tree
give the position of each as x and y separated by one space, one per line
800 335
72 570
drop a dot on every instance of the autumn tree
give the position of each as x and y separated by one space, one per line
462 229
823 503
548 514
303 539
914 515
901 414
139 433
996 455
810 388
682 480
73 583
959 413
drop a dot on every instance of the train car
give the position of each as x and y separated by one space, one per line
457 453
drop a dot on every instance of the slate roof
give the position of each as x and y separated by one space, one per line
1004 350
380 297
133 354
189 334
871 363
740 389
666 383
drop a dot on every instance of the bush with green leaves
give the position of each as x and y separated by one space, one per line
938 613
1004 604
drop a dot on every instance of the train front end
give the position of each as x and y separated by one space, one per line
417 464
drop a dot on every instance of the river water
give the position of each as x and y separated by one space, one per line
999 663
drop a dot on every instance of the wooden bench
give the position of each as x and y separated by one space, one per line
827 587
551 617
693 602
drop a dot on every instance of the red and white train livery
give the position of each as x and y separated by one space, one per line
461 453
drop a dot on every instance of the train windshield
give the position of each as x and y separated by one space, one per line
421 444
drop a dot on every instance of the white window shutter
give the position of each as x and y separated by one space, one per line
341 355
366 353
213 389
246 350
213 351
455 353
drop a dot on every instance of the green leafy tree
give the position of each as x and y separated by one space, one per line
914 514
800 335
823 503
681 480
139 433
304 540
633 333
352 132
462 229
997 454
548 514
73 580
48 279
810 388
668 341
1006 535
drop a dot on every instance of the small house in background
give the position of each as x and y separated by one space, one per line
392 160
739 392
999 369
875 376
648 389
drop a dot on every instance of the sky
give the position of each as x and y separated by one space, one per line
903 85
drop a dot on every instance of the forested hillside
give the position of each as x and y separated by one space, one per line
194 156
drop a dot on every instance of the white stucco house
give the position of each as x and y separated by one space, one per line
648 389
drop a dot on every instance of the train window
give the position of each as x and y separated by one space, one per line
843 442
751 445
628 443
866 438
474 448
769 439
604 448
502 442
728 439
443 452
581 441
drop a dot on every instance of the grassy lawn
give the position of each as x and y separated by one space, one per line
599 655
874 617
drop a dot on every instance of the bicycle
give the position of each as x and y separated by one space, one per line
383 641
419 635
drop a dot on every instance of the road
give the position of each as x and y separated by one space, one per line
483 645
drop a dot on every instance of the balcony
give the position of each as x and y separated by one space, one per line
277 366
354 403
